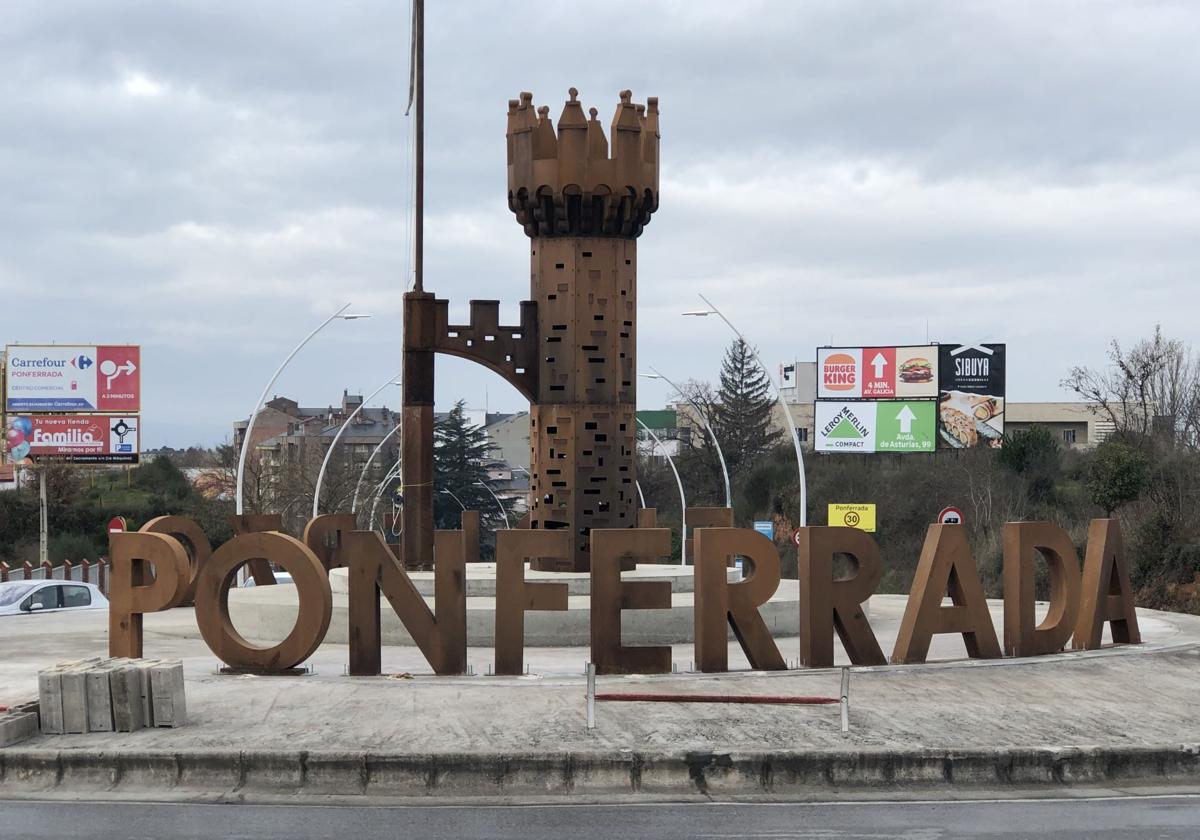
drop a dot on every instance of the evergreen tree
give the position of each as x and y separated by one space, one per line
744 410
459 452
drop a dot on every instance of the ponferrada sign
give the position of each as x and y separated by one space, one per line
1083 596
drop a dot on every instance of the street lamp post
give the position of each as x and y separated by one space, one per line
362 475
241 470
455 498
392 380
708 427
682 498
499 504
392 473
787 414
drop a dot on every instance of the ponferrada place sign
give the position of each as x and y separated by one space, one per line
1083 596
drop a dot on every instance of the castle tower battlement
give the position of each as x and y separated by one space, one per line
568 184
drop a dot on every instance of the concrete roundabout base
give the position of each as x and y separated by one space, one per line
269 612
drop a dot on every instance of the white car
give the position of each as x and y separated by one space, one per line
37 596
280 577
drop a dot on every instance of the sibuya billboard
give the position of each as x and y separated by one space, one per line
73 378
971 394
72 438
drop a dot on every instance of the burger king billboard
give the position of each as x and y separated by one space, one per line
877 373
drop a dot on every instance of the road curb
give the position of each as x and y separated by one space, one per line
26 772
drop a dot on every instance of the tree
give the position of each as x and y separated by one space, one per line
1117 474
459 451
744 409
1034 455
1153 389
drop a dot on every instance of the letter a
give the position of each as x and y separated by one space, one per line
946 567
1107 595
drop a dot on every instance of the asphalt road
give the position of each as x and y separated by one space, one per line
1163 818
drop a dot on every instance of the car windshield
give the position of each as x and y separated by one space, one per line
14 592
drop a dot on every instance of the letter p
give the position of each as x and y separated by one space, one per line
132 591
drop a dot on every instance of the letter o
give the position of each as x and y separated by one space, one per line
194 541
312 587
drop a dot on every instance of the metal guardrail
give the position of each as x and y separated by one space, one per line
81 571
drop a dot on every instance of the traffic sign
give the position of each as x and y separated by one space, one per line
861 516
116 525
796 537
950 516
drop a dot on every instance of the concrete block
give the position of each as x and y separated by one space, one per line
337 773
401 775
126 685
147 770
74 699
600 774
168 706
30 770
50 701
15 728
279 771
143 666
210 770
99 699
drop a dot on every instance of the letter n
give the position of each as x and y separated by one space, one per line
1107 594
441 635
946 567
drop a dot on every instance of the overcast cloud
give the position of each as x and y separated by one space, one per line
212 179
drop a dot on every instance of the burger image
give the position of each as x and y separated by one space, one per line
917 369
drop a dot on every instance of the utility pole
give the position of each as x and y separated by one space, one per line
419 146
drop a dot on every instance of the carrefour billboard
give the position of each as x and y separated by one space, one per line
73 378
75 438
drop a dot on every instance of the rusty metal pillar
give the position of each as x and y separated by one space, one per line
416 415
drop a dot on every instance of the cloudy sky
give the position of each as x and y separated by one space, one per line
212 179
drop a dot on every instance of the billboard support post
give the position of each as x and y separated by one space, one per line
43 521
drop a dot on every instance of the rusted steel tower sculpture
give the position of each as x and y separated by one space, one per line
574 353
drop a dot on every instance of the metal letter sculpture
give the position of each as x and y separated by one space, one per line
573 354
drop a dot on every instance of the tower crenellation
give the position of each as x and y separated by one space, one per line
576 181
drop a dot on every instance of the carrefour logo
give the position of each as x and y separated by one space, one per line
44 362
82 362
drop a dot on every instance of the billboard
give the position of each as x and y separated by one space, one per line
971 385
877 373
868 426
73 378
72 438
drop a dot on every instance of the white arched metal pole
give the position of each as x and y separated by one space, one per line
241 470
329 452
529 492
641 496
711 432
682 498
392 473
455 498
499 504
787 414
362 475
